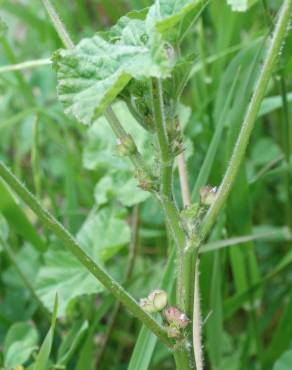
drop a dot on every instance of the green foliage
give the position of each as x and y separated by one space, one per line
208 56
63 274
20 342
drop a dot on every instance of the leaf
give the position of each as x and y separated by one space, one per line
166 14
91 75
28 260
104 233
272 103
45 350
284 362
241 5
20 342
120 186
63 274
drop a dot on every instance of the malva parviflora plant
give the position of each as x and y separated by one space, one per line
140 61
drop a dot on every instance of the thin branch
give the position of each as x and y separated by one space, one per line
75 248
25 65
59 27
272 53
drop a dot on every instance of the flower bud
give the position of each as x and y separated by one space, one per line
159 299
156 301
176 318
207 195
147 306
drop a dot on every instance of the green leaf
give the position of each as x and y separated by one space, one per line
21 340
91 75
64 275
166 14
120 186
45 350
284 362
241 5
104 233
28 260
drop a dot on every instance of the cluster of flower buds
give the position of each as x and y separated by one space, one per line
207 195
177 321
155 302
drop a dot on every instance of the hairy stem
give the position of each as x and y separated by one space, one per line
191 274
73 246
272 53
61 30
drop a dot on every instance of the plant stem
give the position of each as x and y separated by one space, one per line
25 65
122 135
166 165
72 245
191 273
273 50
166 158
59 27
182 361
183 354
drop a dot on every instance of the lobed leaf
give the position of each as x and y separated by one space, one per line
91 75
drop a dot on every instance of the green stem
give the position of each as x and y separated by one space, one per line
124 137
272 53
166 166
25 65
182 355
72 245
59 27
181 359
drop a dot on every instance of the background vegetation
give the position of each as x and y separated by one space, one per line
74 170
